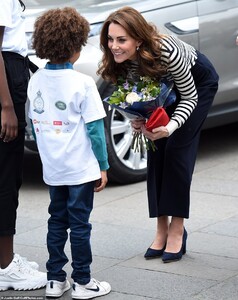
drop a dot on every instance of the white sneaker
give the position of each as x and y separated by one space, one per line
91 290
31 264
19 275
56 288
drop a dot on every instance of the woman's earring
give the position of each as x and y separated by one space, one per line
137 48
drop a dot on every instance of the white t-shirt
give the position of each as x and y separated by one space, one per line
61 103
14 39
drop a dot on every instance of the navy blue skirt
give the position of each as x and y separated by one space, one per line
170 168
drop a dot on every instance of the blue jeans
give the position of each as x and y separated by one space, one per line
70 208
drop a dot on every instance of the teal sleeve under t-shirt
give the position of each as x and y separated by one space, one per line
97 136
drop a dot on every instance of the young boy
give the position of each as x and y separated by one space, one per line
15 271
67 114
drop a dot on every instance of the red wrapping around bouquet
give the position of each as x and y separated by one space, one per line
158 118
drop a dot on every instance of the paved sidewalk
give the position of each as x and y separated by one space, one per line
122 232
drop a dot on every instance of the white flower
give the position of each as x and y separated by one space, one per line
132 97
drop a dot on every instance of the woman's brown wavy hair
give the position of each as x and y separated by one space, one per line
59 33
148 55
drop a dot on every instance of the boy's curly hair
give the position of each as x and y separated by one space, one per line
60 33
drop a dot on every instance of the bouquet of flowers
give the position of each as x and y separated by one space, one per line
146 99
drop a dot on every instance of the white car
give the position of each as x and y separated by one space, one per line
209 25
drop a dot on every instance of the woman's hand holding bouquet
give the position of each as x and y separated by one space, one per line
143 103
158 132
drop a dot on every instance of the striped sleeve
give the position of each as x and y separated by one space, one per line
179 58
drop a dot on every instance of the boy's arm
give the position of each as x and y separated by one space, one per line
97 136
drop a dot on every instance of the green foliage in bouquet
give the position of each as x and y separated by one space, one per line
129 92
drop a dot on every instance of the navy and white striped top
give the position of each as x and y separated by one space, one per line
179 58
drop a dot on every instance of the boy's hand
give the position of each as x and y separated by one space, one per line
101 183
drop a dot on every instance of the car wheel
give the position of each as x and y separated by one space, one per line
126 165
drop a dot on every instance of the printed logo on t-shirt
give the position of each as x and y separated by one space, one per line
57 123
60 105
38 103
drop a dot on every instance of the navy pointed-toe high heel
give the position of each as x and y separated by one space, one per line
170 257
153 253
